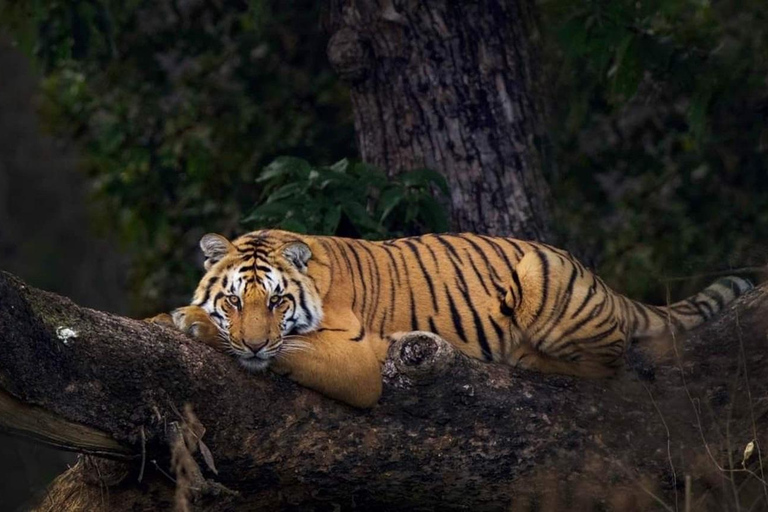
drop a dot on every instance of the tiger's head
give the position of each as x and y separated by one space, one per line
258 293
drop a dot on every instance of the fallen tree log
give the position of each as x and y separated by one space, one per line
186 425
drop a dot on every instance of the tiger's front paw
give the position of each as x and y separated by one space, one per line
161 319
193 321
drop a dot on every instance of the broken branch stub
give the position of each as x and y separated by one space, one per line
418 358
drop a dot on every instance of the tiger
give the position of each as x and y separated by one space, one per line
324 310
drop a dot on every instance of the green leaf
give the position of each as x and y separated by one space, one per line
331 220
285 166
291 190
626 71
267 211
323 178
371 174
292 224
341 166
359 216
389 201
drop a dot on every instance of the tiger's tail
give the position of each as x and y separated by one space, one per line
648 320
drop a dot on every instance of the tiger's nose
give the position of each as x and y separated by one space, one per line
255 346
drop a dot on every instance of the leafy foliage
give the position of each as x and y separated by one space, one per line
658 123
177 105
350 198
661 165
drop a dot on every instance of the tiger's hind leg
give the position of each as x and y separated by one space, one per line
568 320
527 357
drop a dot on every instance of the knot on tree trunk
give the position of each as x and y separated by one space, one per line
418 357
350 55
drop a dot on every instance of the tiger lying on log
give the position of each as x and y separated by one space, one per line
324 310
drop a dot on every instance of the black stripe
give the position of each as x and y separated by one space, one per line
715 296
595 337
457 324
608 316
302 300
499 251
375 280
208 287
448 246
462 284
515 247
705 308
414 319
684 308
477 272
507 311
361 275
500 336
388 251
566 297
544 285
391 310
587 298
421 242
516 279
479 252
581 323
576 342
360 335
513 292
414 316
426 275
432 326
348 262
481 338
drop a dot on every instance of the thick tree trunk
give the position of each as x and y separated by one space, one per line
450 433
449 86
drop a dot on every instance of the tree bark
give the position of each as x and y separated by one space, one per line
450 433
450 86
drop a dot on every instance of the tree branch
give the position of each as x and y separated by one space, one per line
449 431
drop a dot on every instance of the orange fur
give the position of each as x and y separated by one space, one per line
497 299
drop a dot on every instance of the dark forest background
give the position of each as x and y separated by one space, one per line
130 128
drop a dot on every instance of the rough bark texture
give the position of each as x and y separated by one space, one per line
450 86
449 433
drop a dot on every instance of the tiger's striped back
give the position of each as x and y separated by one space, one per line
446 284
496 299
501 299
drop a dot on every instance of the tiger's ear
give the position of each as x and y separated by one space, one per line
299 254
214 247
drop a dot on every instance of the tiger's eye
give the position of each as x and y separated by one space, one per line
234 300
275 300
